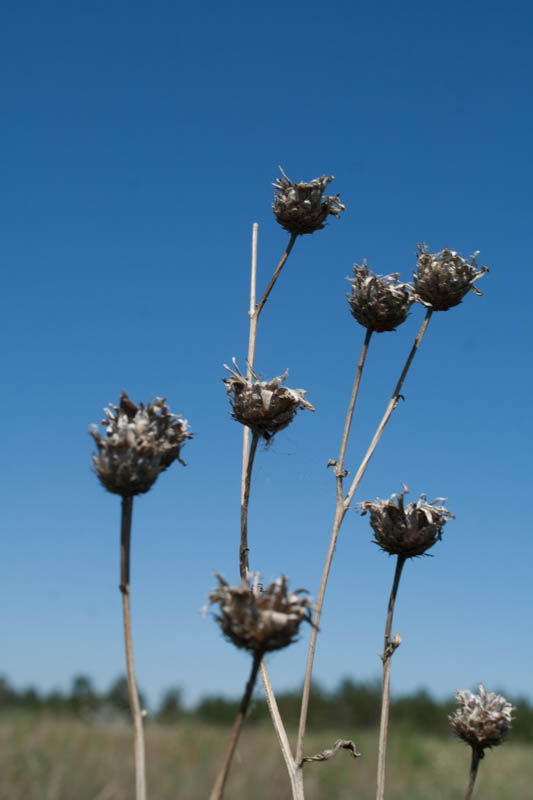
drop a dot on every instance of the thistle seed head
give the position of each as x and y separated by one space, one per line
408 531
482 720
442 279
379 303
260 621
139 443
301 207
265 406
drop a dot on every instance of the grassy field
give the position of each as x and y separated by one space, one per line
46 758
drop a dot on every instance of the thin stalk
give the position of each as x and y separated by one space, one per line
243 549
218 789
249 362
393 402
248 453
254 315
477 755
136 713
297 791
388 650
340 513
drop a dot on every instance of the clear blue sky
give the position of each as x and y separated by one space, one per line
139 143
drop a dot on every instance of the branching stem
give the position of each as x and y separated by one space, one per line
342 506
136 713
389 647
218 789
339 516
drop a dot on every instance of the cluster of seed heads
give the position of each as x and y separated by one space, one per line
139 443
406 531
442 279
260 620
482 720
379 303
264 406
302 207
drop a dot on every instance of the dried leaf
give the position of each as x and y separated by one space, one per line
325 755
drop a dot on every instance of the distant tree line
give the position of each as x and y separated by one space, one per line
348 708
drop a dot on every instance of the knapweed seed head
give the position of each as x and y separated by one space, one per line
138 444
260 620
442 279
302 207
265 406
406 531
379 303
482 720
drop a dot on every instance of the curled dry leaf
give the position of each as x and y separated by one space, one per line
340 744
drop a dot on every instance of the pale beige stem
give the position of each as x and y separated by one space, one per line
248 453
297 790
218 789
254 315
135 706
249 362
393 402
388 650
340 512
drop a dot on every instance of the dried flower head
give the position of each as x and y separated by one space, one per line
442 279
260 621
265 406
301 207
408 531
139 443
482 720
377 302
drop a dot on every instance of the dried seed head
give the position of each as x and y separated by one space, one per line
139 443
482 720
408 531
377 302
301 207
265 406
442 279
260 621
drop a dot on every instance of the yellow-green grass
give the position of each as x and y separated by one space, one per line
60 758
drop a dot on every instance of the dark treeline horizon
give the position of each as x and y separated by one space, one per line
349 707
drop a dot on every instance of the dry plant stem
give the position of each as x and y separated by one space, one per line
281 734
476 758
390 408
248 453
340 512
339 516
136 713
254 314
243 549
218 789
388 650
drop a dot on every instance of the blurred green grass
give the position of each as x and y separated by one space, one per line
43 757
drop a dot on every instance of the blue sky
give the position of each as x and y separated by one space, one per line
139 145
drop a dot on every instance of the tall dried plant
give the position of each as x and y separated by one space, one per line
139 443
379 304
